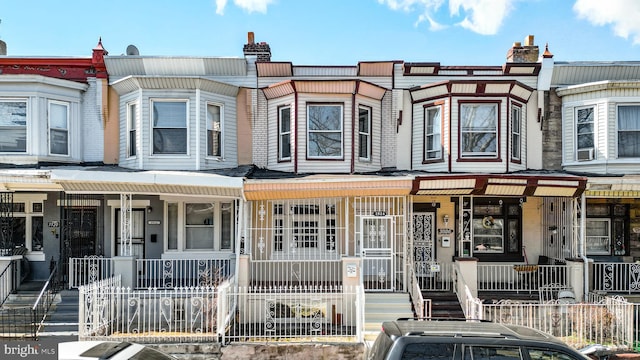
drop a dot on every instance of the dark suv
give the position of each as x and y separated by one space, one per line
466 340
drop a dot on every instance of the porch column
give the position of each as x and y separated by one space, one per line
575 277
126 267
242 276
125 224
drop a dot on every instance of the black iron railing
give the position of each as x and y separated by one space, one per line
8 280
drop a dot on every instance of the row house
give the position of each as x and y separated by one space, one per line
593 129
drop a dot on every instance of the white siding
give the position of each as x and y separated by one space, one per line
376 135
92 128
271 147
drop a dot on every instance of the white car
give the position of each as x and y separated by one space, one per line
112 350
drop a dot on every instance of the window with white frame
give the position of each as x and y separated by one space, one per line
432 133
629 131
214 130
28 223
584 133
324 131
479 130
598 241
132 127
200 226
516 131
169 126
284 133
497 227
13 126
58 128
364 133
304 227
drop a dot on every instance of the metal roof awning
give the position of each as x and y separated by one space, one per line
326 186
147 182
627 186
499 185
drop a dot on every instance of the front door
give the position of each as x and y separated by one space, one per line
377 253
137 233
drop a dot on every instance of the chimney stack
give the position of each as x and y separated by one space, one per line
523 54
3 48
261 50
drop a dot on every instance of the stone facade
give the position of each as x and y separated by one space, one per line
552 132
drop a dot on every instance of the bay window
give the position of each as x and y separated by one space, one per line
364 133
13 126
169 127
284 133
629 131
478 130
214 130
58 128
432 133
324 131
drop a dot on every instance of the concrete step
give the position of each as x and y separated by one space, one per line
380 307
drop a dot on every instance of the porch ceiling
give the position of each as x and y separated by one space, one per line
148 182
314 187
499 185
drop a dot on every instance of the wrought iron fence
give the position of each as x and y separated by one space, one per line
616 277
509 277
173 273
277 314
89 269
8 280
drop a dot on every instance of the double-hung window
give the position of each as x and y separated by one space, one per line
324 131
200 226
58 128
432 133
169 127
364 133
13 126
607 230
516 132
284 133
132 126
27 223
629 131
584 133
214 130
479 130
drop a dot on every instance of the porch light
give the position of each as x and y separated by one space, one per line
553 229
445 219
149 209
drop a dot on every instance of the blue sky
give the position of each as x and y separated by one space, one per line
327 32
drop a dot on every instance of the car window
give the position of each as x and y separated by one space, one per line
547 354
429 351
492 353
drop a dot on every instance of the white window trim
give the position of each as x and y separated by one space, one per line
187 127
68 129
367 134
427 119
222 132
617 127
29 200
136 124
341 155
593 134
517 109
281 134
26 126
480 155
608 252
181 225
288 246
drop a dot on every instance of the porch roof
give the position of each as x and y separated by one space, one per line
26 180
314 186
500 185
147 182
627 186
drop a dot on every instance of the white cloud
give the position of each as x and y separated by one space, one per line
622 15
481 16
248 5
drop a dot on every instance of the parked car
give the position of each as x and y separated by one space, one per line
112 350
466 340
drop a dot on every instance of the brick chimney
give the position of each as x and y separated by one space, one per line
261 50
523 54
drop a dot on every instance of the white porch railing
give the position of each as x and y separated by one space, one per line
296 273
616 277
609 322
151 315
509 277
173 273
434 276
274 315
471 305
421 306
89 269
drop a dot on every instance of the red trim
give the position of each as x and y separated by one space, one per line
280 107
496 158
520 106
424 132
353 125
295 147
307 131
450 135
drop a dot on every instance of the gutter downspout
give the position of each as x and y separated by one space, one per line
582 244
